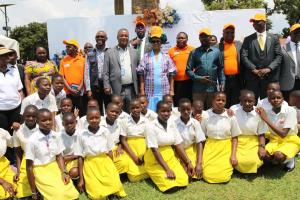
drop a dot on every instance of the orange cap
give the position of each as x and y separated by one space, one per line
72 42
294 27
205 31
140 23
156 31
259 17
229 25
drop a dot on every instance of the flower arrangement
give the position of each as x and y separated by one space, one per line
165 18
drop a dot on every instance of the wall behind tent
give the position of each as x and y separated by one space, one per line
84 29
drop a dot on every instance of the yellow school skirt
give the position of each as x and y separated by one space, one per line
289 145
23 187
191 152
247 154
71 164
158 174
122 161
48 181
216 161
136 172
6 174
101 177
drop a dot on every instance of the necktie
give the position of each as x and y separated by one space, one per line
297 60
261 42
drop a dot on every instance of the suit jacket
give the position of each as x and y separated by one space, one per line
288 68
238 46
148 45
251 57
112 69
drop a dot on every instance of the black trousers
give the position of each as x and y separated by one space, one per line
232 90
182 89
127 93
258 86
77 103
100 96
286 94
7 118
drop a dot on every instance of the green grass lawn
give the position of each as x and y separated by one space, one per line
270 183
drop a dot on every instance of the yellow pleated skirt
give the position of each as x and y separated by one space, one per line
247 154
191 152
6 174
289 145
216 161
121 162
49 182
158 174
137 172
71 164
23 187
101 177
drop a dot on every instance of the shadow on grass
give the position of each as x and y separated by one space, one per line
170 191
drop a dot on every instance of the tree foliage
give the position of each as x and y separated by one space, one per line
232 4
288 7
29 37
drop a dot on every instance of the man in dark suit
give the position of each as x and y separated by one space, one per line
261 57
119 69
230 55
290 69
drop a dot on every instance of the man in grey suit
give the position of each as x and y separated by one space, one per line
261 57
119 69
290 68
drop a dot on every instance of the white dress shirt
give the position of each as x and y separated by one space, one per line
132 129
191 132
48 102
125 62
286 118
10 85
157 136
59 123
114 130
69 142
220 126
90 144
235 107
60 96
150 115
265 104
43 149
5 141
22 136
250 123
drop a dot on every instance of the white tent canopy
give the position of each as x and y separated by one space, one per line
10 44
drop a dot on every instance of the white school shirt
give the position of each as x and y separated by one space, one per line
235 107
22 135
114 130
49 102
191 132
10 85
5 141
61 95
150 115
82 123
157 136
90 144
132 129
204 114
123 115
43 149
59 126
175 112
250 123
220 126
286 118
265 104
68 142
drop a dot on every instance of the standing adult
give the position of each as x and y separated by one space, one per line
180 54
93 75
205 68
230 52
42 66
290 68
261 57
141 41
72 69
156 70
119 69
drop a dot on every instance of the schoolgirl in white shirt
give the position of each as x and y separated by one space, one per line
147 113
83 123
66 106
133 141
57 89
44 162
192 135
221 130
118 100
197 110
